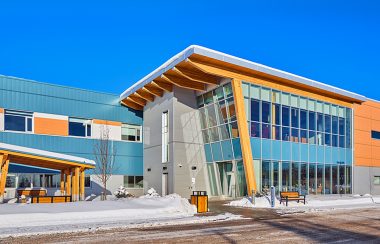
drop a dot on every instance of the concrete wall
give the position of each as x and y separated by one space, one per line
186 154
363 180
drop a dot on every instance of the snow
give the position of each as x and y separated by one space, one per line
25 219
315 202
33 151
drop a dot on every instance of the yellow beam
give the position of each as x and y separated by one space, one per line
81 189
245 141
131 104
76 184
4 173
163 85
62 183
183 82
68 182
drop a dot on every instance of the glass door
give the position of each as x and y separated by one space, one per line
226 178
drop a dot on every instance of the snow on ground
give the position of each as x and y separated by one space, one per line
26 219
312 202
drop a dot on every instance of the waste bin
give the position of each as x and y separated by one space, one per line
200 200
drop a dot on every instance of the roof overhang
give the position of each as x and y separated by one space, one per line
183 70
43 159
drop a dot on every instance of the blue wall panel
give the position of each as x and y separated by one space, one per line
266 150
256 147
276 150
216 151
227 150
286 150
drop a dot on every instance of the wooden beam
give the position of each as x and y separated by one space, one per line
184 82
198 76
137 99
81 189
145 95
76 184
244 136
4 173
162 84
131 104
68 182
154 90
62 183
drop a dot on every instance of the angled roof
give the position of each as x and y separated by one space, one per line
209 53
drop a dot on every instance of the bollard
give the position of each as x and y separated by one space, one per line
253 197
272 196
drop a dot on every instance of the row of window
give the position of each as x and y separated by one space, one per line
23 122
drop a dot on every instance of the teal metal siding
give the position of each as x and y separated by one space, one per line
34 96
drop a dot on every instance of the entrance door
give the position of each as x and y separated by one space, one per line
165 186
227 178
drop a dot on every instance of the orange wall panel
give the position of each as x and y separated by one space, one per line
50 126
366 119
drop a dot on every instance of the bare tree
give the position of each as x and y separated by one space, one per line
105 154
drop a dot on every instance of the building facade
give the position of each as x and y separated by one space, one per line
69 121
205 120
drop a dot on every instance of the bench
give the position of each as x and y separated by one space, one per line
291 196
50 199
31 192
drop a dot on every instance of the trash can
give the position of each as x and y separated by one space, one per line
200 200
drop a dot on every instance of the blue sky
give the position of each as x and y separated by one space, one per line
109 45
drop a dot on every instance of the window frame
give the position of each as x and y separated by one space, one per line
23 114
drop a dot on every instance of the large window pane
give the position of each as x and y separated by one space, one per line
265 94
295 135
327 123
276 132
312 121
224 131
255 129
231 109
266 131
276 114
276 171
303 119
285 133
303 178
255 110
228 90
214 134
303 136
320 182
320 122
14 123
328 139
285 116
312 179
202 113
312 137
295 117
286 176
234 130
218 94
342 178
295 177
327 179
334 175
208 97
211 116
334 125
265 176
341 126
265 112
206 138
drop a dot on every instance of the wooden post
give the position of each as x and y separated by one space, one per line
76 183
62 185
81 190
68 182
4 163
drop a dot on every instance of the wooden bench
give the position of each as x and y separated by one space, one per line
31 192
50 199
291 196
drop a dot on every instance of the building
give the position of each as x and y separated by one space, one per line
205 120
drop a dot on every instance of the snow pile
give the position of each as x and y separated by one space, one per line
245 203
16 218
151 193
122 192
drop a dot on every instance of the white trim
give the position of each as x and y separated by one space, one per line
50 116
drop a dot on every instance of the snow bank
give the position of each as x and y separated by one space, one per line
18 217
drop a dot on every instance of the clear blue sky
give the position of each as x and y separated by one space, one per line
108 46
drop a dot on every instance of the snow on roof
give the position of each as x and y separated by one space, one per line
37 152
195 49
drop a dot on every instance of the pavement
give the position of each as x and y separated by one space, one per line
360 225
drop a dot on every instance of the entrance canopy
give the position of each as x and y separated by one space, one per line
72 168
44 159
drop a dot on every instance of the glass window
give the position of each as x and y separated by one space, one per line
203 117
295 135
348 128
133 181
311 105
303 178
228 90
255 92
327 179
320 137
320 122
255 129
312 179
265 176
245 87
234 130
200 102
285 134
334 110
265 94
327 123
266 131
285 98
214 134
341 126
334 125
375 134
320 171
10 182
312 139
79 127
87 181
231 109
211 115
218 94
334 140
303 135
341 112
207 97
18 121
206 138
286 176
255 110
224 131
341 141
303 102
311 120
285 116
164 136
294 101
328 139
131 132
276 96
295 117
326 108
303 119
276 113
376 180
265 106
276 132
295 176
319 107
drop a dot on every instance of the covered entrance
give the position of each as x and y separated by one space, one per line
72 168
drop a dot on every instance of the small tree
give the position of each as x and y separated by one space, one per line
105 154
